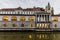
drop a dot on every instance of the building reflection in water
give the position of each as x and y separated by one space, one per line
29 36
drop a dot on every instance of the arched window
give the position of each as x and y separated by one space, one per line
14 25
31 25
47 25
42 25
5 25
22 18
22 25
13 18
55 25
5 18
54 18
31 18
37 25
42 17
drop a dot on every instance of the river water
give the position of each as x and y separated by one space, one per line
29 35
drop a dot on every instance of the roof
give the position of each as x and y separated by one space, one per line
42 12
19 8
10 9
34 9
56 15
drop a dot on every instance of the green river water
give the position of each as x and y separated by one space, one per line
29 35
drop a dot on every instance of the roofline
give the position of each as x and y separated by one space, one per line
18 14
55 15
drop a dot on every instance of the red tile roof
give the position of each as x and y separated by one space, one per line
56 15
7 9
19 8
34 9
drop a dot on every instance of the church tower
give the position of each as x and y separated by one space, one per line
52 11
49 9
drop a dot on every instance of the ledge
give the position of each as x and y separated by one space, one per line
29 30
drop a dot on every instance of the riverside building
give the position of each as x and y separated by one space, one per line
35 18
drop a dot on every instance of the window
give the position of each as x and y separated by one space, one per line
5 25
55 25
11 12
18 12
42 25
6 12
31 25
30 13
22 25
13 18
14 25
31 18
5 18
54 18
25 12
22 18
47 25
1 12
48 8
42 18
37 25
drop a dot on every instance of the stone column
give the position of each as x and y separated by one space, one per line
36 18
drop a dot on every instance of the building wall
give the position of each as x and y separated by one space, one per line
18 23
57 22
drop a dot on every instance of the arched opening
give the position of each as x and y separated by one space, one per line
55 25
31 18
14 25
22 25
42 25
14 18
54 18
31 26
22 18
47 25
5 18
5 25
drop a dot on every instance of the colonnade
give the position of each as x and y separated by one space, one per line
40 18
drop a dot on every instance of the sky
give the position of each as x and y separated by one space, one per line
30 3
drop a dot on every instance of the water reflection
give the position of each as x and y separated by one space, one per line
43 36
29 36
